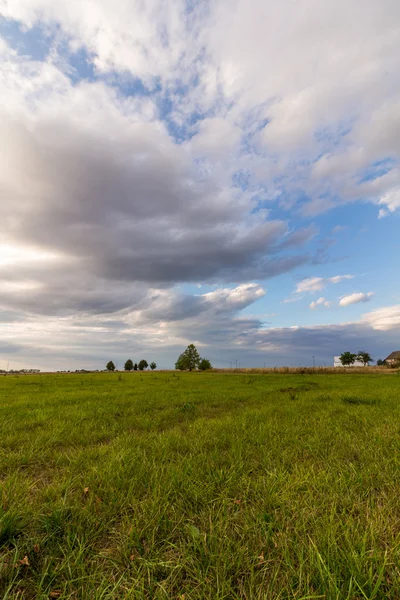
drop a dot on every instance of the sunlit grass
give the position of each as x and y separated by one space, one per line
195 485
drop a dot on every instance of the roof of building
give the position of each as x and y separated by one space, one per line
394 355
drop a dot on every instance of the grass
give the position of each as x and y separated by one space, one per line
200 486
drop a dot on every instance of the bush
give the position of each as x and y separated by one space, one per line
205 364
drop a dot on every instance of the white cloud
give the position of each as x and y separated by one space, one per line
355 298
215 137
292 299
391 202
339 229
314 284
383 319
320 302
234 299
339 278
310 284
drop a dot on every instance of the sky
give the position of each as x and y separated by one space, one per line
219 173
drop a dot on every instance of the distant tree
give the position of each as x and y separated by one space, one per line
181 364
205 364
110 366
128 365
364 357
380 362
347 358
153 366
135 367
188 360
143 364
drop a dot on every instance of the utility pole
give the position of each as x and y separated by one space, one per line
313 361
236 364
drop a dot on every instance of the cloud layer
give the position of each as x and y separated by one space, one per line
115 204
149 146
166 322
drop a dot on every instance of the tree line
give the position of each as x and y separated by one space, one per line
189 360
348 358
131 366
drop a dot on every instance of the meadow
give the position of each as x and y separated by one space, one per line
196 486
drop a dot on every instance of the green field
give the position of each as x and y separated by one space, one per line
200 486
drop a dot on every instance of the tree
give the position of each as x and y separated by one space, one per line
347 359
364 357
143 364
153 366
110 366
380 362
205 364
135 367
188 360
128 365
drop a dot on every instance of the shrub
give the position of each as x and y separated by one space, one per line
205 364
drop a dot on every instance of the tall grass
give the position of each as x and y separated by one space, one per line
200 486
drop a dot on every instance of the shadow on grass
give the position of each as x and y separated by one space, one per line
11 527
356 400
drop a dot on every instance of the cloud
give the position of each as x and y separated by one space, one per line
171 158
339 229
314 284
383 319
310 284
162 327
168 305
391 201
106 197
291 299
339 278
215 137
355 298
320 302
310 125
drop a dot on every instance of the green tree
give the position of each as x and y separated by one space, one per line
188 360
380 362
364 357
128 365
347 358
153 366
205 364
135 367
110 366
143 364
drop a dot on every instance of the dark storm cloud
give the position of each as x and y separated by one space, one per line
120 211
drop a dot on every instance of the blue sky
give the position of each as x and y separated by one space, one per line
174 174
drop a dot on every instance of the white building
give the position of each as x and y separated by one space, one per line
337 363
